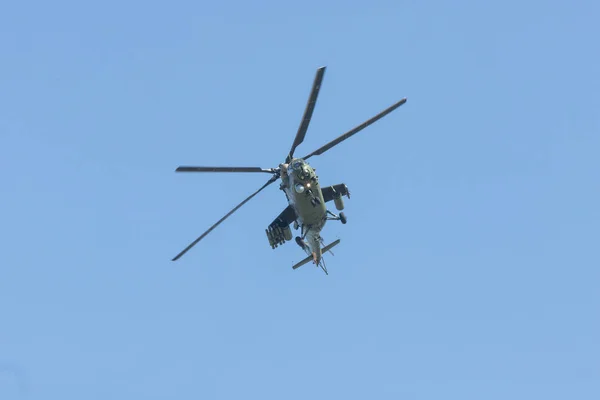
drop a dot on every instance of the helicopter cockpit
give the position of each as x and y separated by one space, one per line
296 165
301 170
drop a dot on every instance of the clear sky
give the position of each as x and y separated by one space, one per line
469 265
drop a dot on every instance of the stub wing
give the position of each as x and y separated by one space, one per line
310 258
330 192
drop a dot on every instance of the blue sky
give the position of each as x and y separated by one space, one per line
469 265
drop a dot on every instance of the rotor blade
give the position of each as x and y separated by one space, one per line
224 169
360 127
310 106
273 179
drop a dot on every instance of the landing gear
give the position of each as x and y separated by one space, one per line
300 242
334 217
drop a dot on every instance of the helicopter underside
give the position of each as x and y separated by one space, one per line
280 230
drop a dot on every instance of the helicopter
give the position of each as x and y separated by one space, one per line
307 199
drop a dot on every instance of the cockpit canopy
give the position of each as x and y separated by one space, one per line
296 165
301 170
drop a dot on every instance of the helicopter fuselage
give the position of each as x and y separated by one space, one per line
301 186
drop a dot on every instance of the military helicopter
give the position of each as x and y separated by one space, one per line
306 198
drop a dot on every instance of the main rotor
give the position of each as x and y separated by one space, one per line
300 135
